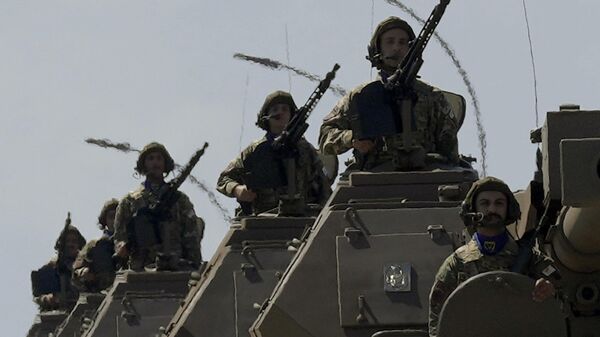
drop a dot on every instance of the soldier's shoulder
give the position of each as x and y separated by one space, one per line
468 252
256 143
50 264
132 195
305 145
427 88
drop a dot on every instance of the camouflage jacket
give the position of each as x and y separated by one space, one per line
178 232
468 261
95 258
257 168
436 127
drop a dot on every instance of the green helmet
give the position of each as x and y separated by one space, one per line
58 245
513 212
110 205
276 97
373 48
154 147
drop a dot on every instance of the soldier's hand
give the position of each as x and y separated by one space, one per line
87 274
121 250
49 299
242 193
363 146
542 290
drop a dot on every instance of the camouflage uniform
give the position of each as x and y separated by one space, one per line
468 261
309 174
436 128
178 233
435 125
55 276
261 170
95 257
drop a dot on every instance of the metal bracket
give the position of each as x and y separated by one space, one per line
131 316
354 220
436 232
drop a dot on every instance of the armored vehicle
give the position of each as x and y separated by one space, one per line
242 274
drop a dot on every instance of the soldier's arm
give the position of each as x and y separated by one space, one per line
335 136
445 282
190 237
122 218
320 184
232 176
446 127
82 274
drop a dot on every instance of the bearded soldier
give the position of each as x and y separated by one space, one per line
256 178
51 283
489 206
94 269
148 241
434 125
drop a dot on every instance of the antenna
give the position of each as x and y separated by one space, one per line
535 91
287 55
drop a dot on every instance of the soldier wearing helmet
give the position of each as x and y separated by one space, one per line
256 177
489 207
51 284
169 243
434 124
94 269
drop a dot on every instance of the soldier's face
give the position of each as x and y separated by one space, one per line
154 163
494 206
394 46
279 117
110 220
71 245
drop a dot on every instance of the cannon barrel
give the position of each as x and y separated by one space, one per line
577 242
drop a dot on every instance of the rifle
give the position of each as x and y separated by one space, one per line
295 129
401 82
64 272
138 232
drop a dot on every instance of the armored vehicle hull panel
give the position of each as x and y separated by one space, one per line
241 276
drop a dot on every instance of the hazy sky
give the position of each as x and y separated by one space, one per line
139 71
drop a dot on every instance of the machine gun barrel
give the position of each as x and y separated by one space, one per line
167 196
406 73
297 126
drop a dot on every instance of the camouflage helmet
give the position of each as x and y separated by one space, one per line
154 147
110 205
276 97
513 211
58 245
389 23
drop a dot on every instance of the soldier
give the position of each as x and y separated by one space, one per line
51 284
489 206
94 269
255 178
148 241
434 124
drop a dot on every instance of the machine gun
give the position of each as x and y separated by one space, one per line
143 230
295 129
401 82
403 78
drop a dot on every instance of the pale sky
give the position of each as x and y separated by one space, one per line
140 71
